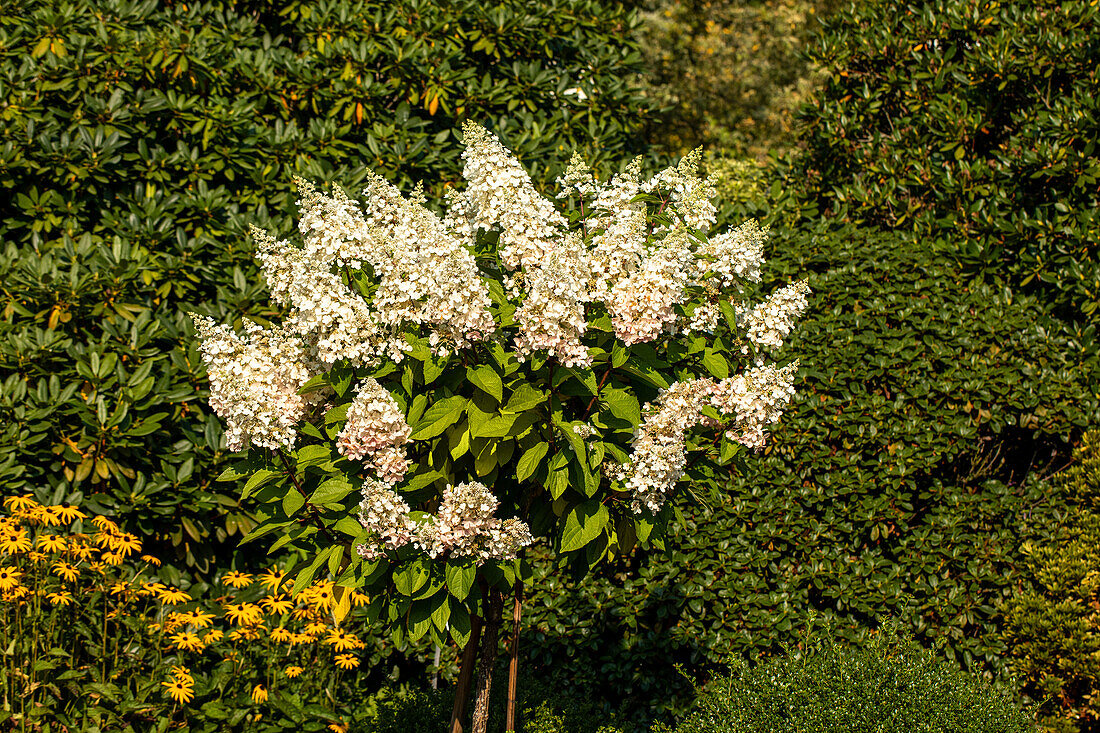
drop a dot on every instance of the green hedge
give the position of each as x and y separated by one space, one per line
898 484
140 138
974 121
890 685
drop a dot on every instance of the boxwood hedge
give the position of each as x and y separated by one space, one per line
137 139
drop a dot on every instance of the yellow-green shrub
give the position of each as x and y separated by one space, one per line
1053 627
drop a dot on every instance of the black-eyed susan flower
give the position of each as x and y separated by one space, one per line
306 613
9 578
347 661
80 550
315 628
180 672
338 727
112 558
17 594
342 640
293 671
67 514
180 691
46 517
61 598
52 543
212 636
126 544
104 525
154 561
173 596
36 557
259 694
152 588
359 599
119 588
237 580
187 641
277 604
270 579
301 639
198 619
243 614
98 567
248 633
14 541
281 634
20 503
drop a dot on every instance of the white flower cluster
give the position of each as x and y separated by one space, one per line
376 430
756 399
254 382
464 526
748 403
769 323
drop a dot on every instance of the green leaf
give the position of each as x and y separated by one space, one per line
584 523
440 416
460 578
529 462
292 502
486 379
575 441
258 480
729 314
411 576
460 625
716 364
313 455
349 526
619 354
332 490
337 413
524 398
420 618
442 613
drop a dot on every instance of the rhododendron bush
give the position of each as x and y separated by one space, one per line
447 389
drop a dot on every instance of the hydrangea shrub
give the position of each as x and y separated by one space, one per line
446 389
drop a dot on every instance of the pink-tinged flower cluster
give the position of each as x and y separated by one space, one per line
375 432
254 382
643 305
748 404
464 526
386 514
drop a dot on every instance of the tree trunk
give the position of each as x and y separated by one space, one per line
513 666
465 675
480 721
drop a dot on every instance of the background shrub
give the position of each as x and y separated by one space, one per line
727 73
1052 627
890 685
140 138
974 121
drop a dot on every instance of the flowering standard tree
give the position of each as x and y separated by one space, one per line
446 390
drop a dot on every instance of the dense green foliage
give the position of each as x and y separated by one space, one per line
890 685
1052 628
896 484
971 120
141 138
540 709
